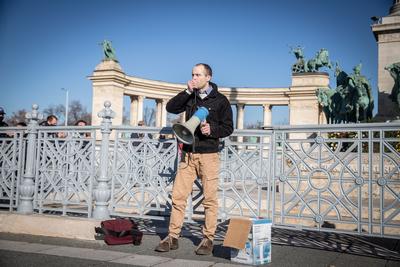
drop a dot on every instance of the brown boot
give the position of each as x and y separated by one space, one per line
167 244
205 247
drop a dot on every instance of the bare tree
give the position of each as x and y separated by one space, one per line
16 117
149 116
57 110
125 117
174 118
256 125
77 112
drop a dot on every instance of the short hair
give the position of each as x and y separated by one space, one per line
206 67
51 117
78 121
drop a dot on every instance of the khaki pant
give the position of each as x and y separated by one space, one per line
206 167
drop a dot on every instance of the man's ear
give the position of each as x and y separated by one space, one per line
208 78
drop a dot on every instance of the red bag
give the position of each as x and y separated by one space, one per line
118 227
119 231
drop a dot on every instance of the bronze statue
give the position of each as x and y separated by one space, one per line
394 70
299 54
321 59
351 101
361 96
108 50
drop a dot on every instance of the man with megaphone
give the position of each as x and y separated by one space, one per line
208 118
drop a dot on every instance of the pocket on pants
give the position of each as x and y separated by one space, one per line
211 166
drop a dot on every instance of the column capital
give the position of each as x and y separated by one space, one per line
240 105
267 106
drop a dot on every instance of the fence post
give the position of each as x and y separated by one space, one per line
102 193
27 187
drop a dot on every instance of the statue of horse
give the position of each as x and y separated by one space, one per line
360 92
300 63
321 60
394 70
325 100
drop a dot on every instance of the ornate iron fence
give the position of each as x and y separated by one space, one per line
343 178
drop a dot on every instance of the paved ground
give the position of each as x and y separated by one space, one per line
290 248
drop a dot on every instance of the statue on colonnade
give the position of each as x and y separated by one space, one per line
109 52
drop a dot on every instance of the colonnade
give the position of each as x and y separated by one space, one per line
136 112
111 83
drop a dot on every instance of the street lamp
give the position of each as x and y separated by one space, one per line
66 105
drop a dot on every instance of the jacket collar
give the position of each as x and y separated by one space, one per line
214 90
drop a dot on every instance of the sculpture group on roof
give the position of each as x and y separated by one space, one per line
320 60
352 99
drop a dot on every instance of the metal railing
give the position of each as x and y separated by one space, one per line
342 178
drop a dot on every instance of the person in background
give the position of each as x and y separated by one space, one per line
82 123
2 123
52 120
136 135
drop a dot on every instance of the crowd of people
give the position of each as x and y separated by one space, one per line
51 120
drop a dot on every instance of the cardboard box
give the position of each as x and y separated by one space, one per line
249 240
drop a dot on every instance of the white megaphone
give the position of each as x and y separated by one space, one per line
185 131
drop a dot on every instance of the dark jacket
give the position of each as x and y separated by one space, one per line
219 118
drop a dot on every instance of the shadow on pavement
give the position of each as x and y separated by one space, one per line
383 248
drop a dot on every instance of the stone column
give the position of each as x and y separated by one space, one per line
182 117
240 116
27 188
108 85
164 113
102 193
133 111
303 101
267 115
140 108
240 122
158 112
387 35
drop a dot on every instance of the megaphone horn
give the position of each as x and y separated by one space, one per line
185 131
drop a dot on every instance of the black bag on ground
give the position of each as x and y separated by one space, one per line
119 231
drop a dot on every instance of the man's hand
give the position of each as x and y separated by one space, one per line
191 85
205 128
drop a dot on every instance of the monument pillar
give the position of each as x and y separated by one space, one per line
387 34
303 101
110 89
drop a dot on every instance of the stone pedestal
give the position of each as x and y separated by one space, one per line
387 35
110 89
303 105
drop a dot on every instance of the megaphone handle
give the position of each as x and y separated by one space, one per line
193 146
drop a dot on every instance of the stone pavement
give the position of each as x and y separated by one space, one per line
290 248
